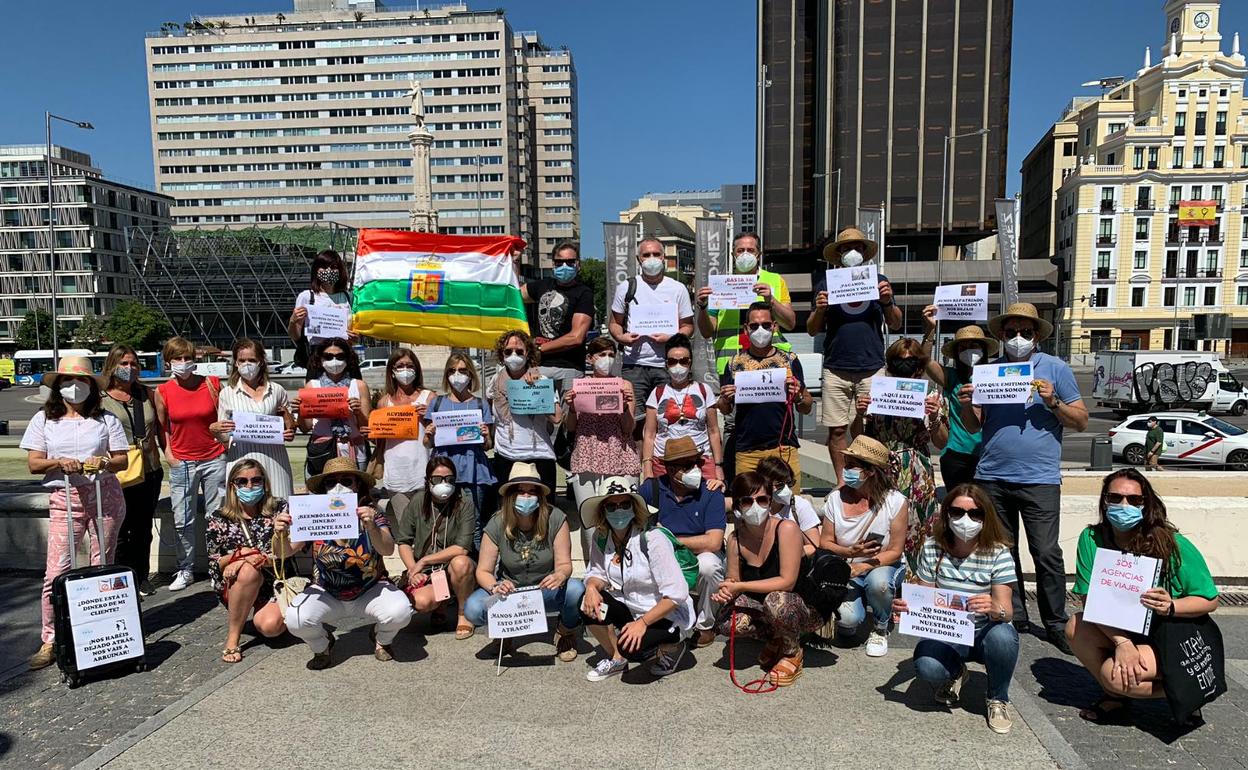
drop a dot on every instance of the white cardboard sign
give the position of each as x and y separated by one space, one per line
1002 383
257 428
651 319
898 396
1118 580
326 322
853 284
453 428
937 613
520 613
731 292
760 386
962 302
324 517
104 614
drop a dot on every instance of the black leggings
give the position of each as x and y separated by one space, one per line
134 539
957 468
619 615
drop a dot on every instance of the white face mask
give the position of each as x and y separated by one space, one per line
1018 347
123 373
459 380
340 489
514 362
182 369
603 364
334 366
971 356
783 496
249 370
755 515
405 376
746 262
761 337
965 528
692 478
652 266
442 491
678 373
75 392
851 258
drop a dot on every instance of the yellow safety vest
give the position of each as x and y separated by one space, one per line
728 330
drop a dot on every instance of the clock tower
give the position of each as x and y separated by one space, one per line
1192 26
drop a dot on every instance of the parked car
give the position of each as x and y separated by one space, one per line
1191 437
289 369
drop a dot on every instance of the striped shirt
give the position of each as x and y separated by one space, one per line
975 574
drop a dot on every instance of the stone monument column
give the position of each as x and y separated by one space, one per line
424 218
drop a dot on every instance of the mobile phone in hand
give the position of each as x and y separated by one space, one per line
874 537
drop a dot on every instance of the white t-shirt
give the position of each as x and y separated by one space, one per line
526 437
853 530
682 413
337 299
646 352
80 439
800 510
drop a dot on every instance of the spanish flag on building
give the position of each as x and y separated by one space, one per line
431 289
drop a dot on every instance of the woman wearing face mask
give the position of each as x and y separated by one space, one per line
683 407
1126 665
473 472
909 441
521 437
968 348
328 288
764 560
72 438
134 406
969 551
186 406
866 524
785 504
528 543
240 556
604 442
435 537
636 602
403 460
249 390
334 364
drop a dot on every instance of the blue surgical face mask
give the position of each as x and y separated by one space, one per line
526 505
852 477
619 518
1123 516
565 273
250 495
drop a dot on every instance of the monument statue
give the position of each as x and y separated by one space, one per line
417 108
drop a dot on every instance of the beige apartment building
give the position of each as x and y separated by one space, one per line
304 116
1102 194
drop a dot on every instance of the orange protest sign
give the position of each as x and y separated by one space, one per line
323 402
399 422
1198 213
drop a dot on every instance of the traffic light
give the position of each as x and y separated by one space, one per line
1092 301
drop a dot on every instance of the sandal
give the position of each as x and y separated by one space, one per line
464 632
787 670
770 655
1109 710
232 654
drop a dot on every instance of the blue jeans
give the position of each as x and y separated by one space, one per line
996 646
874 590
186 480
566 601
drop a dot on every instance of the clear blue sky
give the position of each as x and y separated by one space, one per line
666 88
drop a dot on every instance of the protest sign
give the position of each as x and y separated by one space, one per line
760 386
731 292
598 395
457 428
259 428
519 613
898 396
396 422
323 517
104 615
962 302
852 284
1117 582
538 398
937 613
651 319
326 322
328 403
1002 383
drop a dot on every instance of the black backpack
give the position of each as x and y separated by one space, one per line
823 581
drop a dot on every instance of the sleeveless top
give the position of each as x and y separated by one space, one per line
770 567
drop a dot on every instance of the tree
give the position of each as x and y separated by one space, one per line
35 333
137 325
593 273
90 332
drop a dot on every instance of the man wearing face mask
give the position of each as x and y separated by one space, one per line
968 348
695 514
643 354
564 313
725 326
1021 462
853 342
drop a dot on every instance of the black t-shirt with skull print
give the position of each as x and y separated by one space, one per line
554 306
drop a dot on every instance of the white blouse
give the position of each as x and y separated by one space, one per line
80 439
640 582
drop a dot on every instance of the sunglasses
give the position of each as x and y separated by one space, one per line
679 361
651 253
560 262
1024 333
515 351
750 500
975 513
459 370
760 325
254 481
333 356
1115 498
346 481
448 478
680 466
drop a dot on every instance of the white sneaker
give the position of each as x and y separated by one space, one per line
999 720
183 579
877 645
606 668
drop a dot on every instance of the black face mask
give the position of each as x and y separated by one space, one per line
904 367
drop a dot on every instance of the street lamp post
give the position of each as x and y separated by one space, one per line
48 117
944 191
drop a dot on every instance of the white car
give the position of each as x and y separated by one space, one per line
290 369
1191 437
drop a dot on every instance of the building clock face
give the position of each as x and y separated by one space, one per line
1174 24
1202 20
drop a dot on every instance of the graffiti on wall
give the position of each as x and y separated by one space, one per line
1170 384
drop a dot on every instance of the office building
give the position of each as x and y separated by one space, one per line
91 216
1139 196
734 199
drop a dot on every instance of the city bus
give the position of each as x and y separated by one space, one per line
150 364
29 365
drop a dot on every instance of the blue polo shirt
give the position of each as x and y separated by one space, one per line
1023 442
695 515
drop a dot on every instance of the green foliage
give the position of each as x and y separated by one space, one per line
137 325
594 273
90 333
35 333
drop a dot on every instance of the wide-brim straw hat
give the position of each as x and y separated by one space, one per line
70 366
1021 310
869 451
682 448
850 235
338 466
523 473
613 486
970 333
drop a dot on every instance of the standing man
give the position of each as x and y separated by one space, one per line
644 359
724 326
1154 443
565 310
853 341
1021 462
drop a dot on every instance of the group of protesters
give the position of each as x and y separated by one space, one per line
687 505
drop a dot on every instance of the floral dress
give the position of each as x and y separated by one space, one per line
909 445
224 536
347 568
602 447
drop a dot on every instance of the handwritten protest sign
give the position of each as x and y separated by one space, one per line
538 398
651 319
256 428
898 396
962 302
519 613
1002 384
731 292
937 613
760 386
323 517
396 422
457 428
328 403
598 395
104 615
1118 580
852 284
326 322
